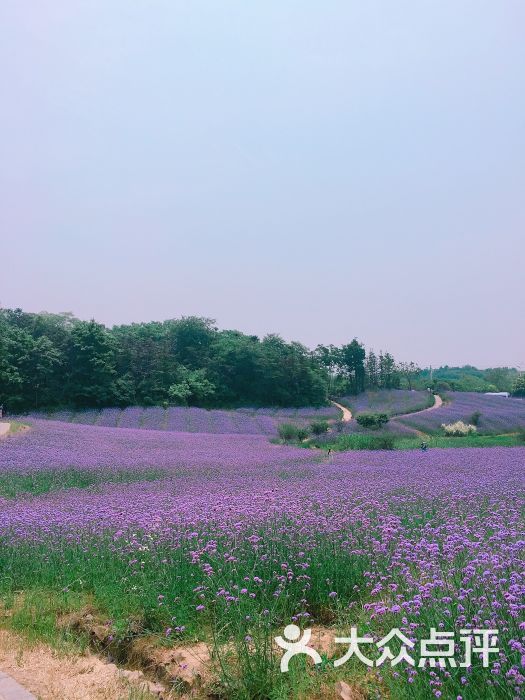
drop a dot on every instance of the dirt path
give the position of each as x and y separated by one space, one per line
50 675
347 415
438 402
4 429
11 690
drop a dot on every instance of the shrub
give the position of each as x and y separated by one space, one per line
356 441
288 431
442 386
302 434
458 429
474 418
383 442
372 420
318 427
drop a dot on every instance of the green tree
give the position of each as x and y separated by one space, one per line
372 370
410 372
192 387
352 363
388 373
518 388
91 365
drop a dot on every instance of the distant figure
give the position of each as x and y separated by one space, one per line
424 447
329 452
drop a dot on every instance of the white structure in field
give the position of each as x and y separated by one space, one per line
498 393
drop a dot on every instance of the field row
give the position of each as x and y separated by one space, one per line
244 421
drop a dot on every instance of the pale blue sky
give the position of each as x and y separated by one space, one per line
323 170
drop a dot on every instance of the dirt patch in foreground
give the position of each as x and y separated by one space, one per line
50 675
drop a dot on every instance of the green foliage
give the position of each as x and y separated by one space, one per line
474 418
36 483
372 420
521 435
468 378
318 427
358 441
302 434
518 388
388 441
50 360
91 358
192 387
290 432
353 364
409 372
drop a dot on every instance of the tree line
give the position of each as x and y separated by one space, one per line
51 360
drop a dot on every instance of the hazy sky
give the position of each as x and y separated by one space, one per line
323 170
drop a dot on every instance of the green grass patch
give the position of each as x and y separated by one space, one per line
443 441
359 441
38 483
37 614
387 441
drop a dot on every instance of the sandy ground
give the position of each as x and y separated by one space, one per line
347 416
52 676
438 401
4 429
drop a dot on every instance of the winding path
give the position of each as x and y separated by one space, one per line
11 690
438 402
347 415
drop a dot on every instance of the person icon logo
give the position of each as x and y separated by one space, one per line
294 644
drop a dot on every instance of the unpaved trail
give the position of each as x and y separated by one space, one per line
438 402
347 415
4 429
11 690
51 675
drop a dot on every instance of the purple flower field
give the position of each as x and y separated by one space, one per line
247 535
390 401
54 445
244 421
498 414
